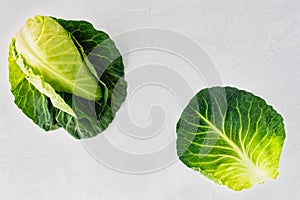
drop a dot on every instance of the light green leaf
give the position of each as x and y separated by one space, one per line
42 86
49 49
231 136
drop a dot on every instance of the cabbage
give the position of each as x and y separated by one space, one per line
66 74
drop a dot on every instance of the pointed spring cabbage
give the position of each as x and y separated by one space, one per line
63 73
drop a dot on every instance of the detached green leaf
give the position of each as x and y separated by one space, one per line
231 136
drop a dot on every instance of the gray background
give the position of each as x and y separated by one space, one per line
255 45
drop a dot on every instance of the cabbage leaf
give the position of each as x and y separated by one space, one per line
231 136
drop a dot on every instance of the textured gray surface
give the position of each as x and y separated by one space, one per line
255 45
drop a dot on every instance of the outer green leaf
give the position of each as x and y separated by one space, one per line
101 52
231 136
33 103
